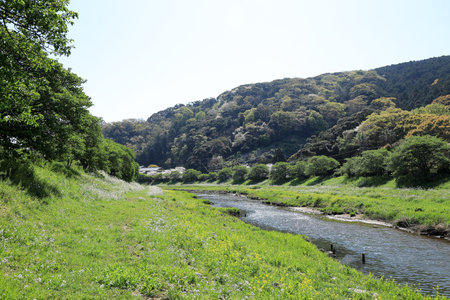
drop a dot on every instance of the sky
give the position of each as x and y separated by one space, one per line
143 56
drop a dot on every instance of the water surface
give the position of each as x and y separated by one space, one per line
407 258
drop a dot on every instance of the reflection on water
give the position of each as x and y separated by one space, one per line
407 258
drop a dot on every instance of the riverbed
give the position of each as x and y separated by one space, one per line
407 258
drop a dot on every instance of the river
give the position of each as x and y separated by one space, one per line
408 258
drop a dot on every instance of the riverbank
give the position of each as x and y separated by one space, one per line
420 211
98 237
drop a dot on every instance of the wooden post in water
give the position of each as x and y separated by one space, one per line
332 249
363 258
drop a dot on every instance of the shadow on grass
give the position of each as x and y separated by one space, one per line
25 176
66 171
318 180
298 181
373 181
427 182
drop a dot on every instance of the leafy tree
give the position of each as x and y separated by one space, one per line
418 158
438 126
444 100
212 176
350 167
372 162
321 166
28 32
191 175
279 172
225 174
240 173
298 170
175 176
258 172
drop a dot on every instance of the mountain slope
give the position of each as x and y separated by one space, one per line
265 122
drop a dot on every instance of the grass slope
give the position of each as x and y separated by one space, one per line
103 238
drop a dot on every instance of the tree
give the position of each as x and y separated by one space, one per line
191 175
321 166
298 170
259 172
372 162
240 173
279 172
29 30
224 174
418 159
175 176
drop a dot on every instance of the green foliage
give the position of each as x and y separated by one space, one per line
370 163
43 108
297 171
279 172
419 159
117 160
258 173
191 175
225 174
323 115
239 173
321 166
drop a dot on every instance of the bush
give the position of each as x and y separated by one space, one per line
239 173
175 176
191 175
212 176
321 166
370 163
225 174
419 159
259 172
350 167
279 172
297 170
373 162
203 177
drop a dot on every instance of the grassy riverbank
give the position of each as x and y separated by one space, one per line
423 210
93 237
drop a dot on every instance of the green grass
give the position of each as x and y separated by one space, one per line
417 207
96 237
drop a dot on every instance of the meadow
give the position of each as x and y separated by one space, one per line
94 236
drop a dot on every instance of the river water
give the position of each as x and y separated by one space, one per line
408 258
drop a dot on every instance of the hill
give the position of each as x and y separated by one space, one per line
292 117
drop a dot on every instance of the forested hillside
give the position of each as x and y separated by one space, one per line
296 118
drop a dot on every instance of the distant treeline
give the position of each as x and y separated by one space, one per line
43 108
416 161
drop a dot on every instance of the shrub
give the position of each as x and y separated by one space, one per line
212 176
279 172
418 158
259 172
239 173
175 176
191 175
225 174
297 170
373 162
321 166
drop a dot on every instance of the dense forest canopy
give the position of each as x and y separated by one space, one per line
338 115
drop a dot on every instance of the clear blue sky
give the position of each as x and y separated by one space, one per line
142 56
